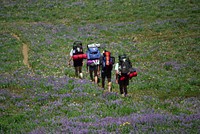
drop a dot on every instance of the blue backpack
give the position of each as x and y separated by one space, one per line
93 53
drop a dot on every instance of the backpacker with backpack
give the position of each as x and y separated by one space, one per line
93 55
125 68
124 64
107 61
78 51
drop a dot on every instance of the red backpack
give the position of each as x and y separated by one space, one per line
107 60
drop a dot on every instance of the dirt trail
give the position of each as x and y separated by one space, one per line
25 54
25 50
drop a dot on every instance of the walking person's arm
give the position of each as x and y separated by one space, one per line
98 70
87 68
116 76
69 62
71 55
116 72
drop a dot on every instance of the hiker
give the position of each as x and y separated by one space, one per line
93 61
124 72
77 55
106 62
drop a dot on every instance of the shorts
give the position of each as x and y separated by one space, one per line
78 63
123 82
93 68
106 73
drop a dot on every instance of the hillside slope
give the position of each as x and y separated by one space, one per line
37 88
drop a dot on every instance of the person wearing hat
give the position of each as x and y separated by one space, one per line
75 55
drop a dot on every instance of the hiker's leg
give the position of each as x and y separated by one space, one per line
109 81
125 87
120 86
76 71
125 90
76 64
109 85
95 76
121 89
80 72
80 69
91 75
102 79
103 82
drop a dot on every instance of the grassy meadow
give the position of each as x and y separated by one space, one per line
38 91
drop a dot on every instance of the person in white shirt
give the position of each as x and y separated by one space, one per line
77 63
121 79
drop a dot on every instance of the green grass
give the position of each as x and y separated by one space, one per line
160 37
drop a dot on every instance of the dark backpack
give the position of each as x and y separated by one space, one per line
77 48
124 64
93 53
107 61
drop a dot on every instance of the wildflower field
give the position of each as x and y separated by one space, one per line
38 91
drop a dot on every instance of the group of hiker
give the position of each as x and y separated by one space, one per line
100 65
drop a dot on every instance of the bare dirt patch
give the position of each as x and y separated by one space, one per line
25 50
